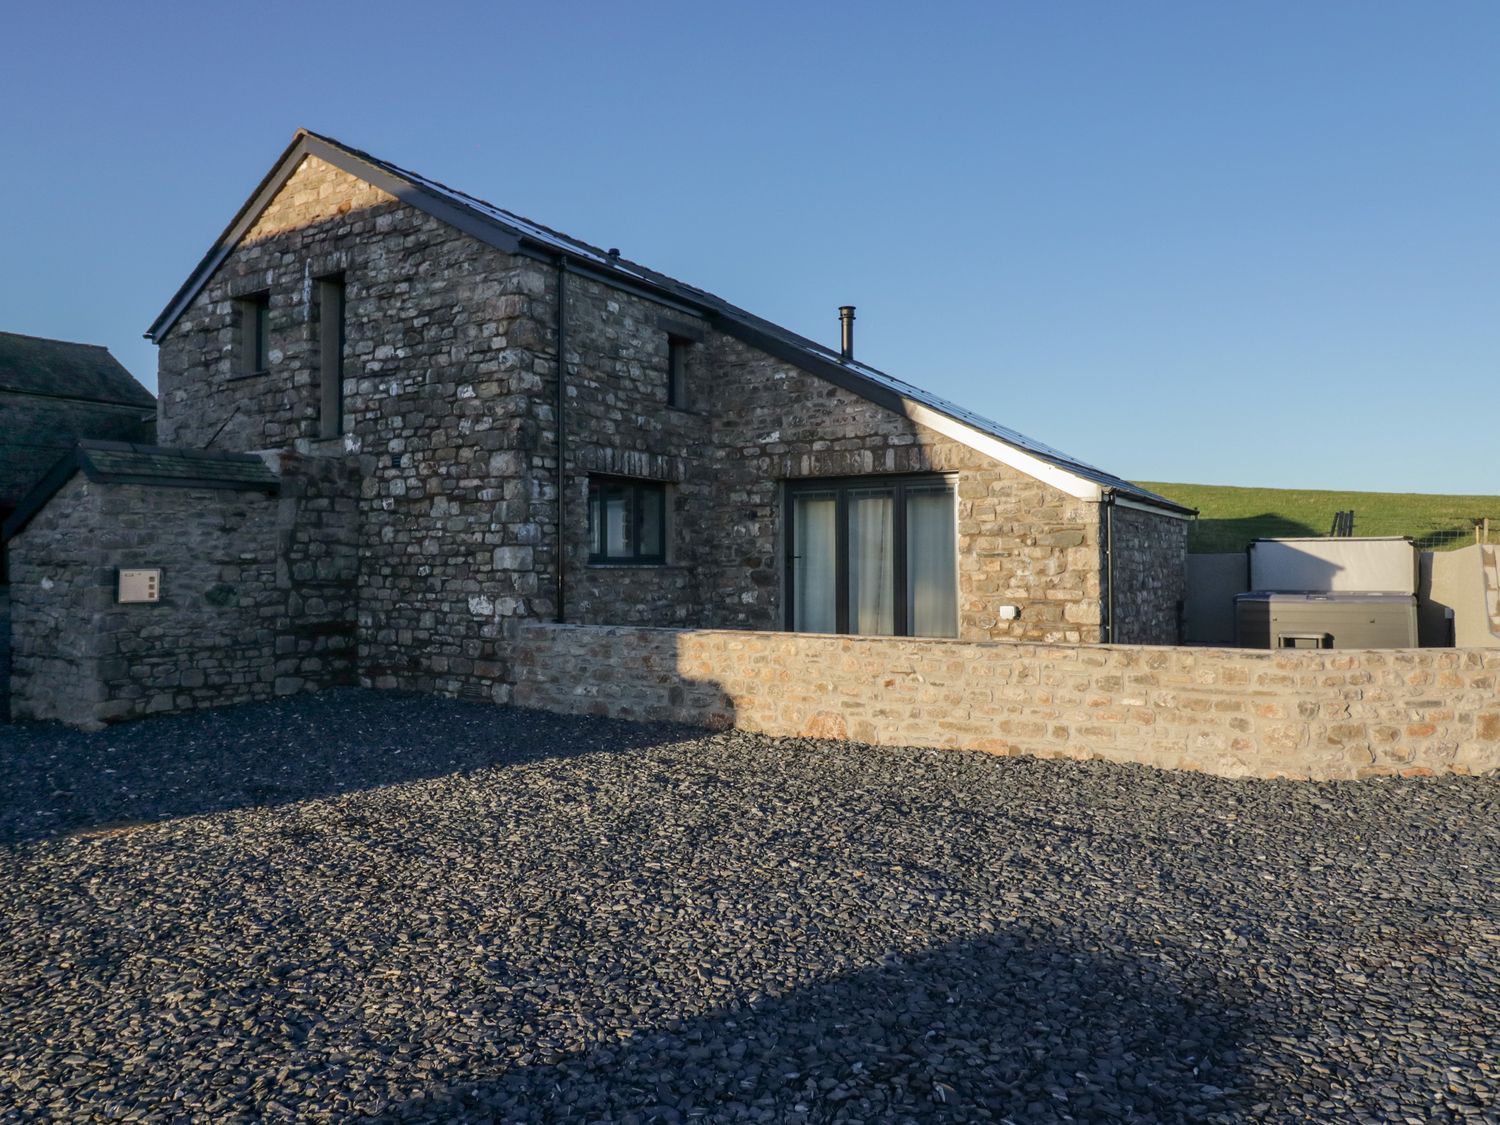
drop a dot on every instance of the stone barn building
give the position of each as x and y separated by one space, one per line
395 420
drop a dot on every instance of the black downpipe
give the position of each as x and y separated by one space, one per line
561 563
1109 567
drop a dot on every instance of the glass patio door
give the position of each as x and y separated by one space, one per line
874 556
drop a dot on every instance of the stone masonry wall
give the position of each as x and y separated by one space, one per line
55 597
1020 541
258 595
1233 712
1150 577
439 398
318 567
82 658
204 401
750 424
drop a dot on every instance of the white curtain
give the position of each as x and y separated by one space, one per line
814 582
931 563
617 527
872 608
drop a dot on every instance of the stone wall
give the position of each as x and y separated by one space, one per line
4 653
1237 713
439 398
82 658
318 568
258 595
204 399
619 424
1150 576
750 424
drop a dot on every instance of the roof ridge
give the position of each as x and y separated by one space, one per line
420 179
53 340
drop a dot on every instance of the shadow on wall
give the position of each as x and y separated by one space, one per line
1025 1026
656 684
55 780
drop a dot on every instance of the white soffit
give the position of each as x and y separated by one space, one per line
1018 459
1126 502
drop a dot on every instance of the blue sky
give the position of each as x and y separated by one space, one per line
1253 243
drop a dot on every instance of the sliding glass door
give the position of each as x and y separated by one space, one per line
872 555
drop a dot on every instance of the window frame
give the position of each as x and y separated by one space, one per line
332 294
252 334
841 487
639 493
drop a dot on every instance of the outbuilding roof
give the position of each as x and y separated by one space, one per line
515 234
35 365
117 462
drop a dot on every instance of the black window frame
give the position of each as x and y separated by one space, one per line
332 297
841 487
639 493
253 334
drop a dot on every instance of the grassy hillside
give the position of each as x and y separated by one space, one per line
1228 517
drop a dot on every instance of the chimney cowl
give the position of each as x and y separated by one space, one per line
846 341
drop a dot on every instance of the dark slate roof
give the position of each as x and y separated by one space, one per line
120 462
58 368
116 462
39 429
516 234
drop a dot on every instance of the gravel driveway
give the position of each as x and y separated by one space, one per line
360 905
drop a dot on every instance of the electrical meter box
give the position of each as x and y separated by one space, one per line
139 586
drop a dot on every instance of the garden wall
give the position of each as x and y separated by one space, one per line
1237 713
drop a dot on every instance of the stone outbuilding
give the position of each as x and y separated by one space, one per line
474 420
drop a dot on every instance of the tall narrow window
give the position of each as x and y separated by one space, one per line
330 356
873 555
677 352
253 334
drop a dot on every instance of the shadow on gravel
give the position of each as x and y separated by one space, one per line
56 780
1004 1027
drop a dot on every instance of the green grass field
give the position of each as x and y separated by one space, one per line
1229 517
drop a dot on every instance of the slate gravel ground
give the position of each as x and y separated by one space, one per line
399 908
